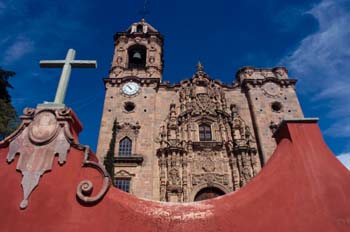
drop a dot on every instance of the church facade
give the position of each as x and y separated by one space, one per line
192 140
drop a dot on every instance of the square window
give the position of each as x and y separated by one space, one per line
204 132
123 184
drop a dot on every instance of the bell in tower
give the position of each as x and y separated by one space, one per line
138 52
137 57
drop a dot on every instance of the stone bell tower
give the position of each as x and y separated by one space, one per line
129 106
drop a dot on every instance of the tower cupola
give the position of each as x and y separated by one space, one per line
138 52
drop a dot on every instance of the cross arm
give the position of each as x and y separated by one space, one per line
84 64
52 63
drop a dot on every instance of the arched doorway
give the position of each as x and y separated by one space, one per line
208 193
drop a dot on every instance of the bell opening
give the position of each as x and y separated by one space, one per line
137 57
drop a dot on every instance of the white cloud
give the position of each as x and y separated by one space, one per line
20 47
322 61
344 158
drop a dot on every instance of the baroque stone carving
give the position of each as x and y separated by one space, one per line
173 177
128 129
209 178
185 161
43 133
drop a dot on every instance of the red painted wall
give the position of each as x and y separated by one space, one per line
302 188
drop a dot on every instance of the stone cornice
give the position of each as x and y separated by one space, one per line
120 35
249 72
119 81
146 70
135 159
259 82
168 85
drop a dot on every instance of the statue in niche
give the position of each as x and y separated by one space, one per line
191 91
162 132
241 132
246 176
182 94
173 177
246 170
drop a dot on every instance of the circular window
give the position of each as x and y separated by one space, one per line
129 106
276 106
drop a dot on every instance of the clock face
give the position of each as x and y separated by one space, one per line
130 88
271 89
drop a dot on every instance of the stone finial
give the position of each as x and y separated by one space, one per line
200 68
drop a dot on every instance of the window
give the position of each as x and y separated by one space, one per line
204 132
137 56
129 106
276 106
123 184
139 28
125 146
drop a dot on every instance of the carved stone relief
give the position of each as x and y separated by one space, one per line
228 160
45 132
37 145
210 178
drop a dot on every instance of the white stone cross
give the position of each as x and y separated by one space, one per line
67 65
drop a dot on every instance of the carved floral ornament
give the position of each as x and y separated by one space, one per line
42 134
129 127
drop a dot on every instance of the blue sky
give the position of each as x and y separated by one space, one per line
310 38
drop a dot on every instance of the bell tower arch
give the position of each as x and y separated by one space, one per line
138 52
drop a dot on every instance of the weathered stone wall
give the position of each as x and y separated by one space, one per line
271 97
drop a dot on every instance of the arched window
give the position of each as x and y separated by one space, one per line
139 28
204 132
137 56
125 146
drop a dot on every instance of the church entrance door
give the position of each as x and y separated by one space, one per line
208 193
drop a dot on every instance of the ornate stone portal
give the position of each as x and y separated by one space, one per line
188 163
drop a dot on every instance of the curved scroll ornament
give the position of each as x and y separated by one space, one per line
85 187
